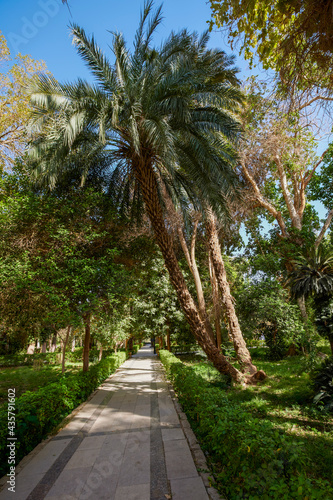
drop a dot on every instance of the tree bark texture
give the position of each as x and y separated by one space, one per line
242 351
148 183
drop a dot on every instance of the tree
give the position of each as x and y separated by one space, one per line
57 254
313 276
151 110
14 101
292 37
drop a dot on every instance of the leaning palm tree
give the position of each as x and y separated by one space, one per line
148 113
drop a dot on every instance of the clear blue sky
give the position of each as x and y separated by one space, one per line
40 27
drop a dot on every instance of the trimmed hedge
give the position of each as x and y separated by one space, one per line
256 460
24 359
37 413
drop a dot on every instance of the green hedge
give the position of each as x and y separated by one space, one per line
184 348
37 413
256 460
24 359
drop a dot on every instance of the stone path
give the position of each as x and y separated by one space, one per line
126 443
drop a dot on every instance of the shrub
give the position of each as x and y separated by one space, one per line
37 413
255 459
323 384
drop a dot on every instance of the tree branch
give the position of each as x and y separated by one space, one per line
324 228
265 203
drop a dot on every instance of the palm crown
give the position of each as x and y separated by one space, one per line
312 274
167 107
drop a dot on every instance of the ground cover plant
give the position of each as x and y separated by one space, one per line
265 441
38 412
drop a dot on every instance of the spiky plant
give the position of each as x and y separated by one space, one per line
312 273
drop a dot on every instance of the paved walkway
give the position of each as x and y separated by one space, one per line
126 443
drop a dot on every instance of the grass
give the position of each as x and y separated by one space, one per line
30 378
285 399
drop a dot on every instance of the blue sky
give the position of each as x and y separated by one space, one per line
40 27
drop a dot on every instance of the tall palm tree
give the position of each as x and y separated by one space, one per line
148 113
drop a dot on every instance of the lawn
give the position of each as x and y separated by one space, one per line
30 378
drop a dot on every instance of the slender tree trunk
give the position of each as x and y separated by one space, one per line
216 302
65 342
192 264
73 345
168 335
86 319
242 351
148 184
44 347
100 352
302 308
54 342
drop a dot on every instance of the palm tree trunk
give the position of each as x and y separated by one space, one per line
242 351
148 185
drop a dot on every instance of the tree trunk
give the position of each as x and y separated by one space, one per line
65 342
302 308
73 345
147 180
216 303
54 342
242 351
192 264
44 347
168 335
31 348
86 319
100 353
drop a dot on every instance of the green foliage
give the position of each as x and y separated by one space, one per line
37 413
324 317
256 460
312 273
323 385
264 310
291 37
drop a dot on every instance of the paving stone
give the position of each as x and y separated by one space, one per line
189 489
70 483
23 487
172 434
45 458
83 458
134 492
180 464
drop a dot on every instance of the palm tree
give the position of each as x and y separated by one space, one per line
312 273
313 276
148 113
